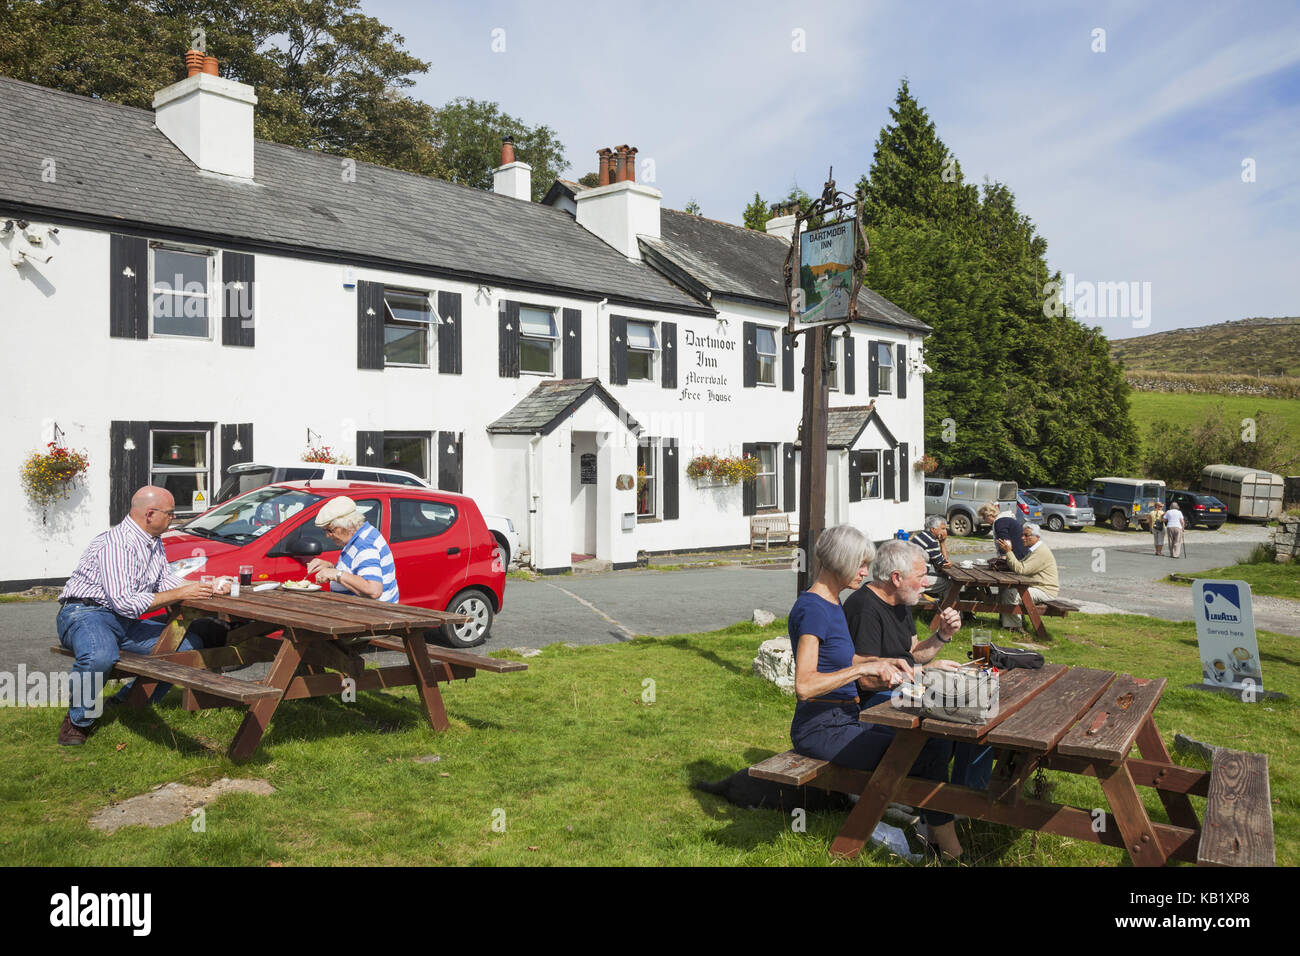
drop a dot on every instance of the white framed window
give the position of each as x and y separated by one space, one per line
642 351
833 369
408 320
646 479
407 452
181 284
885 367
869 474
765 347
537 338
765 482
180 461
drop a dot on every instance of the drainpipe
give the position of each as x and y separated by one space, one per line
532 498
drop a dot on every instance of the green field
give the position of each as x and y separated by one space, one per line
1189 408
573 762
1272 580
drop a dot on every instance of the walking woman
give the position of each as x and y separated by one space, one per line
1158 526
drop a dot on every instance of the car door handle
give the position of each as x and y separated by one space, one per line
451 551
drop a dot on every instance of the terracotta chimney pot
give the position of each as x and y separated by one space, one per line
210 66
507 150
606 161
620 172
193 62
631 164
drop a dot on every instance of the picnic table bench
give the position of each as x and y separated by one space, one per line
313 641
1076 720
771 527
959 579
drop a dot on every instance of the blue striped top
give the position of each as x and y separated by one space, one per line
368 556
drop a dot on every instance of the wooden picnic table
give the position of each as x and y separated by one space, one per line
318 651
960 578
1077 720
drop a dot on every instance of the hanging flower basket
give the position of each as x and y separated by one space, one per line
926 464
324 455
49 476
722 471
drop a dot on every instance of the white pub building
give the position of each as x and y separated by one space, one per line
177 297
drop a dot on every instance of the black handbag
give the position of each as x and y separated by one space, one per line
1009 658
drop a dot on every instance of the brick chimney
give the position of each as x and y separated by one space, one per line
210 119
513 178
620 209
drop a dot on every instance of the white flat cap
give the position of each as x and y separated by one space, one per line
334 509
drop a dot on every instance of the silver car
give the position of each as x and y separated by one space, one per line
1064 509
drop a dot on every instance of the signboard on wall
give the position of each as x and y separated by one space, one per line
1225 635
587 468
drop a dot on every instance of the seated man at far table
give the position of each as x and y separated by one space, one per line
1039 564
934 540
365 567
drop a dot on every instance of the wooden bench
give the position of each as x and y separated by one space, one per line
452 656
1058 607
769 528
183 675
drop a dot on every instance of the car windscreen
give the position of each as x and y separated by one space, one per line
251 515
242 482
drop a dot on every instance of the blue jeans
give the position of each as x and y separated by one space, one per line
972 765
97 636
833 732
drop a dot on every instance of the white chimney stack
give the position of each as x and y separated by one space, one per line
620 209
782 226
513 179
210 119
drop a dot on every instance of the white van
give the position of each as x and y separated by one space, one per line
250 476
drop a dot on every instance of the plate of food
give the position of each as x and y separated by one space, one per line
303 585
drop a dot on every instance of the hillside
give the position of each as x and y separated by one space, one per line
1259 346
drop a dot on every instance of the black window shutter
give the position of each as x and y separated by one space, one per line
449 333
128 470
787 477
900 371
670 470
855 477
787 364
128 309
229 435
618 350
572 349
450 466
873 370
370 325
904 475
668 351
237 299
373 441
749 489
508 340
887 492
750 334
850 367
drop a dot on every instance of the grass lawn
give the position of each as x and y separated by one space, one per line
571 762
1275 580
1185 408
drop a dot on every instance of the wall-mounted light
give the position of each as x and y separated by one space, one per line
310 433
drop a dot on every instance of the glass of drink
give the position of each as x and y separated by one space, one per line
981 641
245 575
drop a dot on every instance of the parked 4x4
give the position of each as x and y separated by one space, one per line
959 501
1199 509
443 553
1124 500
1064 509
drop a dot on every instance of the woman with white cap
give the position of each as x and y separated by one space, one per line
365 566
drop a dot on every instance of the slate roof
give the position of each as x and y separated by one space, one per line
845 425
705 255
114 169
543 409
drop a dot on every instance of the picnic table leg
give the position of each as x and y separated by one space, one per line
168 641
880 791
1177 805
427 684
950 597
1032 610
259 713
1140 837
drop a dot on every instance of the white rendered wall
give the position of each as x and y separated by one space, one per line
620 212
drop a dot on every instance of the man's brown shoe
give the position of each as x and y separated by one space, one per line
70 735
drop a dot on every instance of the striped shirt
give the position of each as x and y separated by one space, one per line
367 555
124 568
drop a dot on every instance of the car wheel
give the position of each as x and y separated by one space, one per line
1119 520
504 547
1055 523
475 604
960 524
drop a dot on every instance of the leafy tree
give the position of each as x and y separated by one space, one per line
692 207
469 132
757 214
1176 452
590 179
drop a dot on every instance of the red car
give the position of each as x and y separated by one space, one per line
445 556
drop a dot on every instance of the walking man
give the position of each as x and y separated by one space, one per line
1174 521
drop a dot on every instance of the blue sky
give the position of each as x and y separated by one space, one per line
1128 160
